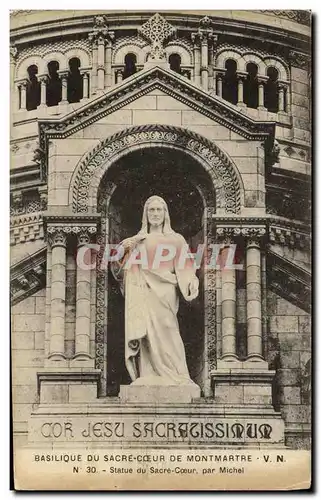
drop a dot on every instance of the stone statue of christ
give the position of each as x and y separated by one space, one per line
154 350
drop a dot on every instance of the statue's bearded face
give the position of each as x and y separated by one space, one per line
155 213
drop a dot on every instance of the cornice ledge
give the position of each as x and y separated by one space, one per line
71 218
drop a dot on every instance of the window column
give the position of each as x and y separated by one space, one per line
63 75
282 97
43 79
240 89
119 75
219 84
85 83
261 83
22 85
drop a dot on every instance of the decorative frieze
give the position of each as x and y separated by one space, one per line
299 16
58 234
27 227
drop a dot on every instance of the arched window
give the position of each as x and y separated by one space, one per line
130 65
175 63
251 88
271 97
33 88
230 82
74 81
53 96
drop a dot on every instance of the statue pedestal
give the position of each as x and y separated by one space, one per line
159 393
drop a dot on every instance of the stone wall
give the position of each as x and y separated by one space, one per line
28 348
289 353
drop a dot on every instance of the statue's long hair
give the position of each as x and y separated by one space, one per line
167 229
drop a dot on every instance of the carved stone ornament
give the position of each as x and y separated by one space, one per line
57 234
157 30
100 31
218 165
300 60
228 234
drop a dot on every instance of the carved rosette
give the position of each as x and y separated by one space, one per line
156 30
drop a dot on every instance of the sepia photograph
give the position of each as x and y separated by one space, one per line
160 249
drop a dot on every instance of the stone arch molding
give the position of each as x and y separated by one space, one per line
226 180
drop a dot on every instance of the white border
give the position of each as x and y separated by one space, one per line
315 6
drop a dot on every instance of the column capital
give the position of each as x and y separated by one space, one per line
228 234
241 75
22 83
63 73
84 235
60 232
43 78
262 79
254 236
282 85
56 237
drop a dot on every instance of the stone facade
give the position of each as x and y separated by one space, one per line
246 163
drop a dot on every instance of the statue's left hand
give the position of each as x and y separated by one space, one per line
193 290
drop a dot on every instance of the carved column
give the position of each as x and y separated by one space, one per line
108 59
43 79
240 89
119 75
85 84
205 34
57 241
101 63
254 294
94 68
261 82
97 38
14 91
82 340
64 86
281 98
197 58
228 286
204 61
286 99
13 58
219 84
22 84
